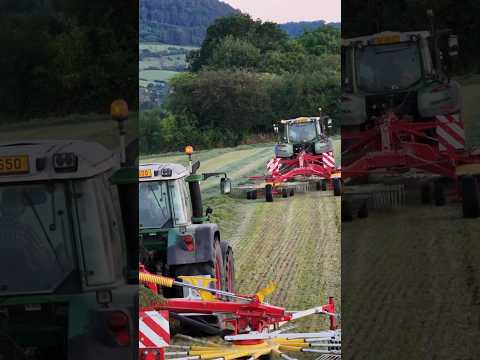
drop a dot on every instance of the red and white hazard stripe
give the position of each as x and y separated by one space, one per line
272 165
450 133
328 160
154 331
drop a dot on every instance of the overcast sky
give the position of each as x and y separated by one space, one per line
282 11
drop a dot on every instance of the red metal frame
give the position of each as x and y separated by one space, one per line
304 165
400 143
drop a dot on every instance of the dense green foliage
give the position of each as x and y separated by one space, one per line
179 22
296 29
462 17
61 57
246 75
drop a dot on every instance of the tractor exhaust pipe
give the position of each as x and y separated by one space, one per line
196 197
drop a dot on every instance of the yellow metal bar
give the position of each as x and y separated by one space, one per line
156 279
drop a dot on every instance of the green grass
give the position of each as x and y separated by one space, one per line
149 76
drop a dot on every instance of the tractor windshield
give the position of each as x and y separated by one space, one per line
35 238
388 67
302 132
154 204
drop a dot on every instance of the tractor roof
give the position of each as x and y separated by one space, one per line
162 172
37 160
300 120
386 37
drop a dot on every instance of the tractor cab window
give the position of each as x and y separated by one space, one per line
182 205
154 205
35 238
388 67
302 132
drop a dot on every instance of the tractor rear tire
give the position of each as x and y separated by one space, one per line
337 187
363 211
292 192
470 198
269 193
347 215
284 193
439 194
426 193
228 267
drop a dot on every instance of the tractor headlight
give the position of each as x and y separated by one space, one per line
65 162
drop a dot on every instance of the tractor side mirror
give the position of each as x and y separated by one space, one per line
208 211
329 123
453 46
225 186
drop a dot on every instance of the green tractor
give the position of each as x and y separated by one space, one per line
177 239
69 249
65 290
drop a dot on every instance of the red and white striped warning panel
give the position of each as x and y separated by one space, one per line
450 133
273 165
154 331
328 160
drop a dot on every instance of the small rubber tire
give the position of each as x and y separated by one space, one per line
228 267
324 185
337 187
284 193
363 211
426 193
439 194
347 215
249 195
254 195
268 193
292 192
470 197
318 185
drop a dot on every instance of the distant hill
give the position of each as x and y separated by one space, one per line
296 29
179 22
185 22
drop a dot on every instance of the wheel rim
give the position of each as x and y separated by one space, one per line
218 269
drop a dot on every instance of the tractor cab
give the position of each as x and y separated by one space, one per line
176 235
403 72
64 292
307 134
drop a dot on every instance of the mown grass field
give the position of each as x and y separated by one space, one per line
93 127
294 242
162 64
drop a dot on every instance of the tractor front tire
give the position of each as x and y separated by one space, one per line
470 198
269 193
253 195
284 193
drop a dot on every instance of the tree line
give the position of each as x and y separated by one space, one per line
62 57
246 75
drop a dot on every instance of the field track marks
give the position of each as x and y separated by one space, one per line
293 242
412 280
